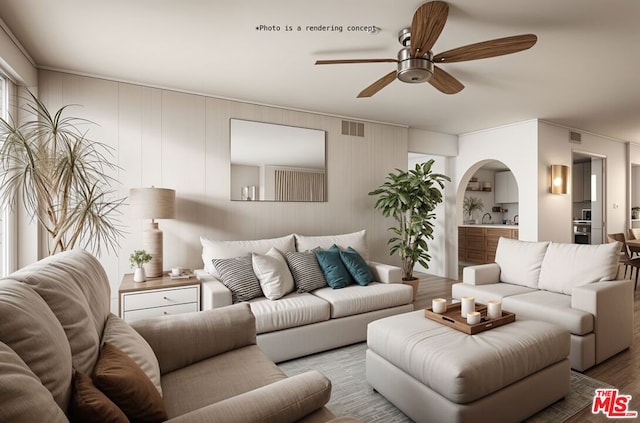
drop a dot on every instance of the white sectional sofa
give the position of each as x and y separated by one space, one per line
570 285
302 323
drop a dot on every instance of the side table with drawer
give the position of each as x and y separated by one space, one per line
157 296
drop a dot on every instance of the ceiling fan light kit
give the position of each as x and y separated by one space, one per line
416 60
414 70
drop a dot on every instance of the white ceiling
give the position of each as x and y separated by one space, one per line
582 73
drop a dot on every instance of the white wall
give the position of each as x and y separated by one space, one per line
430 142
514 145
181 141
555 211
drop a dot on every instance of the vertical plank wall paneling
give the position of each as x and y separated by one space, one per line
181 141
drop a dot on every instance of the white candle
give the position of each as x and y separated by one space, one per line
494 309
473 317
468 305
439 305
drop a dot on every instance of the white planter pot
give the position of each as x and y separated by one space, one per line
139 275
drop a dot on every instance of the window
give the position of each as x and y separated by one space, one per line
5 219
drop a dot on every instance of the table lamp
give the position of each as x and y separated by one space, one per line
153 203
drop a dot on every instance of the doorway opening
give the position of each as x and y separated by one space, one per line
492 185
588 194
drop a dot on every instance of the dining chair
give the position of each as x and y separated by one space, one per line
625 256
634 233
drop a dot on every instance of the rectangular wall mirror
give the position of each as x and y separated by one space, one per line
271 162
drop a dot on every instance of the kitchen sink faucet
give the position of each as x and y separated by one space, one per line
485 215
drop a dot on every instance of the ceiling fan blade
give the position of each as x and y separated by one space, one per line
444 82
341 62
428 22
378 85
485 49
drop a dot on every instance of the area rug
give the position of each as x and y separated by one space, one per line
352 396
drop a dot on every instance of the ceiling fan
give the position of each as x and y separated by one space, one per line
416 62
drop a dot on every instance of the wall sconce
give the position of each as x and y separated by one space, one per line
559 179
153 203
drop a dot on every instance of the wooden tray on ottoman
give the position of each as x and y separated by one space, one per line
454 319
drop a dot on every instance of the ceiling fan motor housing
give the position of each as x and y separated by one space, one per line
414 70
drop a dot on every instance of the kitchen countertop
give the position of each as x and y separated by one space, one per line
490 225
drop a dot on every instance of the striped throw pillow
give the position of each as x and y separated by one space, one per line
237 275
305 270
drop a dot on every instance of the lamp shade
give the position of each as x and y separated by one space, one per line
153 203
559 179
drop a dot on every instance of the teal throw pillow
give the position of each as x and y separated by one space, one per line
335 273
357 266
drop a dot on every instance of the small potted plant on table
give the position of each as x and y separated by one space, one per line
137 259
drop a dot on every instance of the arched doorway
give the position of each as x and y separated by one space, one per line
492 187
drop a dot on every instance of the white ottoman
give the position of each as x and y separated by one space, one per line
437 374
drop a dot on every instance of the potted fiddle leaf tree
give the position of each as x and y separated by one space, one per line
410 197
61 178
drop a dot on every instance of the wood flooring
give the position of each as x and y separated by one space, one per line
621 370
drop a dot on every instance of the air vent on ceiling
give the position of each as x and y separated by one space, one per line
575 137
355 129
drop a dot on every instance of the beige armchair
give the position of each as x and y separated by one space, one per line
55 318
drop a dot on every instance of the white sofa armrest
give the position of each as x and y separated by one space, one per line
611 304
214 293
385 272
482 274
287 400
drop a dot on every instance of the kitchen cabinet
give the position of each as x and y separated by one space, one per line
581 182
506 188
478 245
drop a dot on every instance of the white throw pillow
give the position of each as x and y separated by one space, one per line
520 261
212 249
273 273
567 266
355 240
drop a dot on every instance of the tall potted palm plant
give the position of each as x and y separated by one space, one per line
61 177
410 198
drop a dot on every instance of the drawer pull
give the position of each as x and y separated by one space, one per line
165 313
165 298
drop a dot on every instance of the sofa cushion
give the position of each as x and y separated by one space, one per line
356 299
356 240
31 329
520 261
357 266
550 307
89 404
23 397
488 292
289 311
305 270
119 334
237 275
566 266
212 249
120 378
335 273
274 275
76 288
